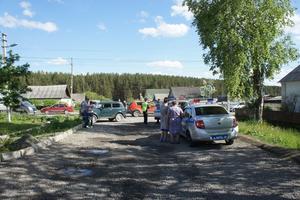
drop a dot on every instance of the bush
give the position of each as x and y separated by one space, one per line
43 103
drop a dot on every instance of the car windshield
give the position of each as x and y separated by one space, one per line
26 103
211 110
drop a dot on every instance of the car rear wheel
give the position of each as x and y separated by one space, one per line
119 117
94 119
189 139
229 142
135 113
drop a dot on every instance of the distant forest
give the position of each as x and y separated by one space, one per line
127 86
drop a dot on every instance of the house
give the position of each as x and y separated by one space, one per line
290 90
156 94
48 92
184 93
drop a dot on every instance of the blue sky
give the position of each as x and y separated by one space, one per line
120 36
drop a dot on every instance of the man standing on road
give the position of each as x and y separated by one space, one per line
84 112
145 107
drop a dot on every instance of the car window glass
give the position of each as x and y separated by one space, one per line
107 105
187 112
210 111
61 105
116 105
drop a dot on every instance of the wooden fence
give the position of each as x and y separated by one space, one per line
275 117
282 117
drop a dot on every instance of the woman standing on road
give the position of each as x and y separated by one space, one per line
164 120
174 119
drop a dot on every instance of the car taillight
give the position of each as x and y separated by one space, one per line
200 124
234 123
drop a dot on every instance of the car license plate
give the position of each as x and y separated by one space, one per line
218 137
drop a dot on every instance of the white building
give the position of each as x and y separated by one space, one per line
290 89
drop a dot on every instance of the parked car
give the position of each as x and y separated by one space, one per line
3 108
113 110
26 107
237 106
209 123
58 108
135 108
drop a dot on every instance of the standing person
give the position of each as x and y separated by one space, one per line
145 107
84 112
174 119
164 120
158 105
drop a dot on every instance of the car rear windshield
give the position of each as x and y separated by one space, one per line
210 111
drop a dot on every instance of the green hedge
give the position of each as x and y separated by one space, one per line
43 103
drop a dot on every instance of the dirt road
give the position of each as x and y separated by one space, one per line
126 161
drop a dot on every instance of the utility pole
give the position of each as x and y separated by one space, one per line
71 87
3 48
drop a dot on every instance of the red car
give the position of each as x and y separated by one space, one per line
58 108
135 108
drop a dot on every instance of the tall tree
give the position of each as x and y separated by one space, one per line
11 82
245 42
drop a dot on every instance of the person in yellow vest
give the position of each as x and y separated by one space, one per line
145 107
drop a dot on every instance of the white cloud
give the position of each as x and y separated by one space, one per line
56 1
165 30
26 8
180 10
166 64
295 30
9 21
102 27
144 14
58 61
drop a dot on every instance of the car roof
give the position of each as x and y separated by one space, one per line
108 102
205 105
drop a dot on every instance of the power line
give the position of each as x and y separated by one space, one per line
110 59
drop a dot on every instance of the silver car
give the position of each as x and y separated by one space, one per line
209 123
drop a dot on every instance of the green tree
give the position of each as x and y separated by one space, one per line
11 82
245 42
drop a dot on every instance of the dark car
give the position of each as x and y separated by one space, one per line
26 107
112 110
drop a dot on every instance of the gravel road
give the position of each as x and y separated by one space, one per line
126 161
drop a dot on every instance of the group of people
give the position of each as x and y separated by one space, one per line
170 121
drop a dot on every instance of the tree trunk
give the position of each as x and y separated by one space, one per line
8 114
258 79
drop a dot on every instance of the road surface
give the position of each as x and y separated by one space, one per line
126 161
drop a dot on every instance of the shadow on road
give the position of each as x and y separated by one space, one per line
137 166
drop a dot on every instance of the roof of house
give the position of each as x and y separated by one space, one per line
161 96
186 92
292 76
78 97
48 92
151 92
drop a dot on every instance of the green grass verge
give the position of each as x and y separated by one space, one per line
43 127
19 122
283 137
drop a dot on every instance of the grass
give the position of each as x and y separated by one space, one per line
283 137
19 122
43 127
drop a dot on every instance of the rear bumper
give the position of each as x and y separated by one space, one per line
203 135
